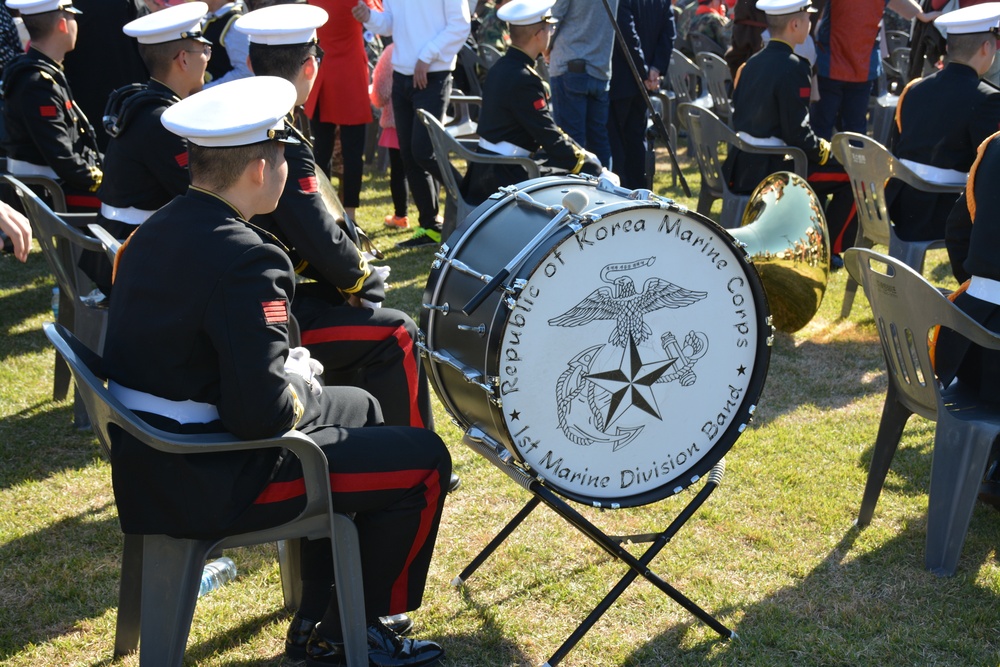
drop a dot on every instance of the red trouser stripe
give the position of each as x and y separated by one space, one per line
403 339
828 177
376 481
83 201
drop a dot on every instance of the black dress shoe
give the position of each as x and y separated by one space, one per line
401 624
385 649
454 482
299 631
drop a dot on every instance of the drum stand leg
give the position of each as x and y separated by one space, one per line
613 546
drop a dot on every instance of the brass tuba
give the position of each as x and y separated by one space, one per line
784 231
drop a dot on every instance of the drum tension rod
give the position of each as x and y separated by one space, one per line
573 203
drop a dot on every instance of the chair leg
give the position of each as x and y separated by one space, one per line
60 385
961 451
705 199
350 589
289 552
890 430
129 597
171 572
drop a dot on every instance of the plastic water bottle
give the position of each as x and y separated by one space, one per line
55 304
217 574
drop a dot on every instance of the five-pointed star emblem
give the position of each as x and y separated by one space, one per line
631 383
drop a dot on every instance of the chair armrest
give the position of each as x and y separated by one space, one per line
466 99
110 243
800 164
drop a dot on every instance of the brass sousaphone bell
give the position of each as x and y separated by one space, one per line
785 234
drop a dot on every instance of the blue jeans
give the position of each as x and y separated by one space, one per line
580 108
842 104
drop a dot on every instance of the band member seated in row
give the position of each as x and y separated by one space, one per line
47 133
941 120
206 350
146 165
358 342
972 240
516 119
771 107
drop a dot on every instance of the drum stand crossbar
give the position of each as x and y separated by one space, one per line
483 445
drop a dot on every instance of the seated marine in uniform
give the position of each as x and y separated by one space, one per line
771 107
516 119
206 350
972 240
358 342
941 120
47 133
146 165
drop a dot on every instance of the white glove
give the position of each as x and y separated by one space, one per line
610 176
301 363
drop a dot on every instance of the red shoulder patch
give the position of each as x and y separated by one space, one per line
539 104
805 92
309 185
275 312
181 159
48 111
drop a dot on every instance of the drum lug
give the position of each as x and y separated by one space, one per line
444 308
479 329
440 256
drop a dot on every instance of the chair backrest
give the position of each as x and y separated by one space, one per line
60 241
706 131
461 125
488 55
869 166
719 81
686 78
906 308
468 59
896 39
704 44
446 145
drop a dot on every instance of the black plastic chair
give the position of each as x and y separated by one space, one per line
707 132
869 166
906 307
161 574
444 146
62 244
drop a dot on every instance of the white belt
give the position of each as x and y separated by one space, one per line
504 148
937 175
129 215
22 168
182 412
985 289
759 141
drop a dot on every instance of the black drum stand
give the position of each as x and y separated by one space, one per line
499 456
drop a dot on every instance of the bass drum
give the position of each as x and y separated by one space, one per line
623 356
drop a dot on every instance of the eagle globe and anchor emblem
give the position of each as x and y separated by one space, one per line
606 386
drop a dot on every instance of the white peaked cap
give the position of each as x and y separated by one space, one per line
178 22
278 25
235 113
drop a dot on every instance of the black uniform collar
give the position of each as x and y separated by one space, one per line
961 69
201 194
518 54
35 54
160 87
779 45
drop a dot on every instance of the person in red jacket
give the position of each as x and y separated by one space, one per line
340 96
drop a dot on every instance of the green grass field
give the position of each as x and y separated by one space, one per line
773 554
